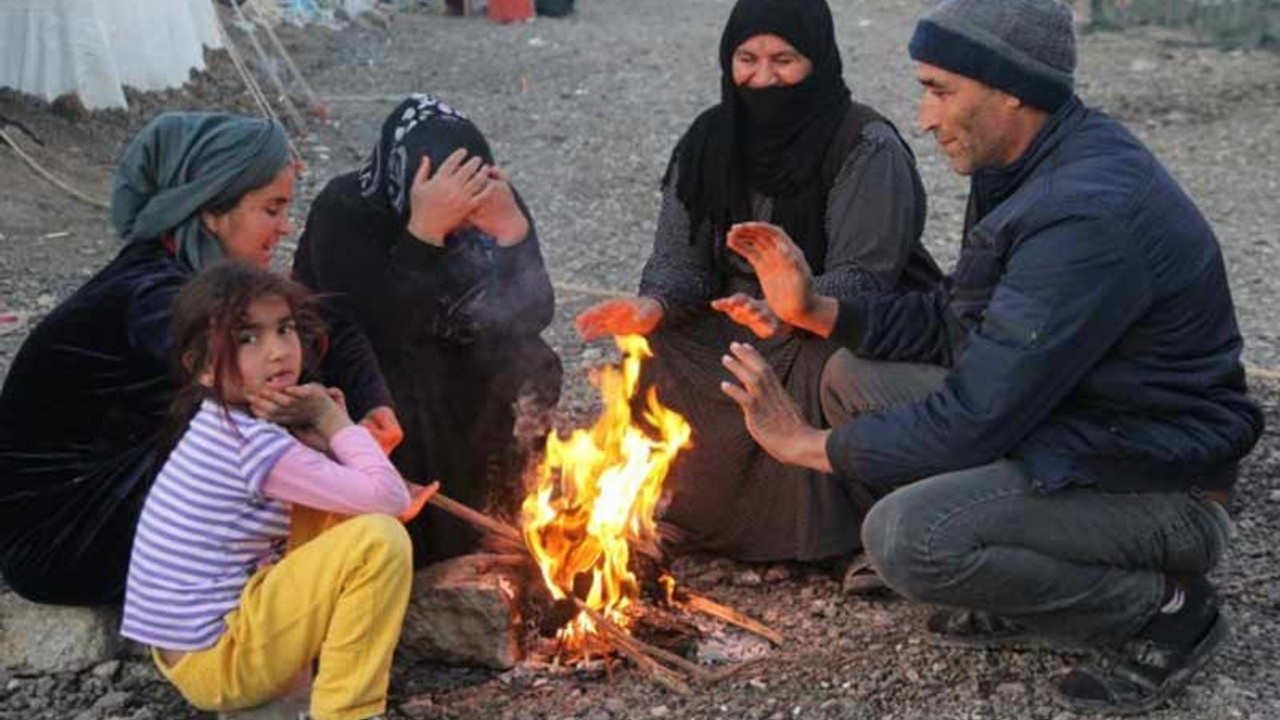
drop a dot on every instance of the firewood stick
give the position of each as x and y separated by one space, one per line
729 671
710 607
478 519
642 654
620 636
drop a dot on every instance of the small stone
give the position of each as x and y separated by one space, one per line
44 686
1274 496
1011 690
777 573
748 578
615 706
112 701
660 711
107 670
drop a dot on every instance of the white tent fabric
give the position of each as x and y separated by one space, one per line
96 47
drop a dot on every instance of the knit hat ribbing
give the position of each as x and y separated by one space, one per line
1026 48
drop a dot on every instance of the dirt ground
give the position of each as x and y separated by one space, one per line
583 112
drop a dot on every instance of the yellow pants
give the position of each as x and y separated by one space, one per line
340 597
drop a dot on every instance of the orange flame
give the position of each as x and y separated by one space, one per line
596 492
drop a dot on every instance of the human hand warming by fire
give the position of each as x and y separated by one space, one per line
499 216
752 313
619 316
784 276
772 416
384 426
440 202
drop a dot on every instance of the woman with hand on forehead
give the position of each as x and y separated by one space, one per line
786 145
436 292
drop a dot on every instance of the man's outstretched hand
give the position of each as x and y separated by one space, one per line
784 276
771 415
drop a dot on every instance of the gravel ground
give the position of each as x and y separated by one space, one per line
583 112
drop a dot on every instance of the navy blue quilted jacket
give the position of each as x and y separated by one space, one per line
1088 326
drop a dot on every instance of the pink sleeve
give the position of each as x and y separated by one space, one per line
362 480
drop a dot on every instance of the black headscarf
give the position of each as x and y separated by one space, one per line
422 125
770 140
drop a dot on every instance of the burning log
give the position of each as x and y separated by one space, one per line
646 656
588 517
691 601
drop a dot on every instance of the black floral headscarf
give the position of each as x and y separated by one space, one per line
422 125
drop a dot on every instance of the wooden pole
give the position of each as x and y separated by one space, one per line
478 519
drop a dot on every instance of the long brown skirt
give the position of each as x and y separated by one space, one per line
727 494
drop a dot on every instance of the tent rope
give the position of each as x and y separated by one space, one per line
50 176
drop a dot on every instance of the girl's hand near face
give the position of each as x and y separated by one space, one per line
499 216
311 406
440 202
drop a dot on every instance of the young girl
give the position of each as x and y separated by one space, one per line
230 618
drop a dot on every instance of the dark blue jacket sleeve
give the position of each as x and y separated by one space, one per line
903 327
1068 294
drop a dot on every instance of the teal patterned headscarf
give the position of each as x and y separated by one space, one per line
182 163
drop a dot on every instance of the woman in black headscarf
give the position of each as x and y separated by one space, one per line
85 403
436 293
786 145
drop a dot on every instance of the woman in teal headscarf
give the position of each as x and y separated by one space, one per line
86 399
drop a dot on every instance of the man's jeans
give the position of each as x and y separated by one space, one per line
1080 563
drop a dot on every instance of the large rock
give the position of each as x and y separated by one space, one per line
38 638
465 611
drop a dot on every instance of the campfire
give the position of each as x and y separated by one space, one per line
596 494
588 523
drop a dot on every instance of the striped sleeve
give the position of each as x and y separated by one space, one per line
264 444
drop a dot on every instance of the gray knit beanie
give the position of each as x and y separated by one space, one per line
1026 48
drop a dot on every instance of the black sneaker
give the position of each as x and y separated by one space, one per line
1142 675
980 630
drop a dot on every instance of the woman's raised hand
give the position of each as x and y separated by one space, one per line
440 202
784 276
751 313
499 216
619 316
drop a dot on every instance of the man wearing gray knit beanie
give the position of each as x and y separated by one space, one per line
1063 471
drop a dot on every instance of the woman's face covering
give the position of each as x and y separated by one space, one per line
251 229
768 61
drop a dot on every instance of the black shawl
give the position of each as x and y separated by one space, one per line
774 140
